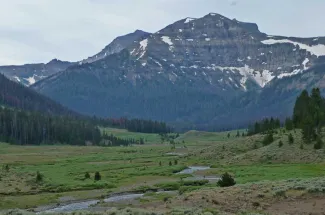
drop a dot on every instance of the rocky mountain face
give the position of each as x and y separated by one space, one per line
31 73
206 73
118 44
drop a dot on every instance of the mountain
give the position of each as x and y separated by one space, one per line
206 73
118 44
29 74
18 96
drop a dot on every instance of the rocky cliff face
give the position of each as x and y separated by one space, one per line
193 72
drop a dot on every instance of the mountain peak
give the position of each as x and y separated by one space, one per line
140 32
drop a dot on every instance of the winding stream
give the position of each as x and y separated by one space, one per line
192 169
83 205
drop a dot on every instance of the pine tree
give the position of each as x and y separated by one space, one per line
280 144
170 163
97 177
238 134
301 108
288 124
290 139
319 143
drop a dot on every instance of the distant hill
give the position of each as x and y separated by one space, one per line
16 95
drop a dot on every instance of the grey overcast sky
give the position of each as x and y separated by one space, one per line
33 31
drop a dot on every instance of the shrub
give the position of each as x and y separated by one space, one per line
160 163
39 177
87 175
195 183
256 204
170 163
319 143
168 186
290 139
166 198
268 139
6 168
175 162
98 177
226 180
280 144
301 146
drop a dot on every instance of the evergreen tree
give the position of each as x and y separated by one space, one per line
98 177
175 162
170 163
288 124
290 139
319 143
300 110
268 139
280 144
238 134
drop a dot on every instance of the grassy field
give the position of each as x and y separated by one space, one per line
138 167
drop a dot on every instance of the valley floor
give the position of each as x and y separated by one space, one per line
272 179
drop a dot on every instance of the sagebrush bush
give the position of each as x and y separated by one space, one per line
39 177
226 180
87 175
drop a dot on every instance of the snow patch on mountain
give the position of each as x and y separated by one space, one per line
143 47
31 80
286 74
318 50
167 40
187 20
261 78
17 78
305 63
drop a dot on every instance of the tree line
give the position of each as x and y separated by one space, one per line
264 126
111 140
33 128
308 115
134 125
